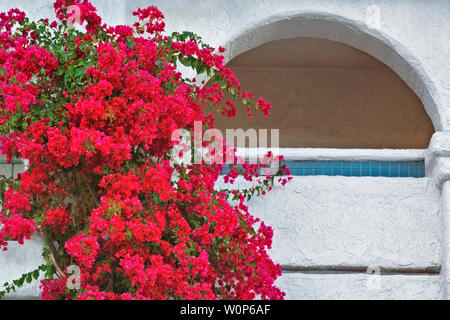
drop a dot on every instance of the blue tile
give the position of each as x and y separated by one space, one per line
356 165
394 173
374 165
352 168
365 165
404 173
328 164
347 172
308 164
413 165
375 172
337 164
295 164
394 165
356 172
422 165
413 173
318 165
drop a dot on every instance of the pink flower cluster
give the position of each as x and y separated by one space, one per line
94 118
58 219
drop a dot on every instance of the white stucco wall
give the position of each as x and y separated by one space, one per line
329 229
19 260
359 286
350 222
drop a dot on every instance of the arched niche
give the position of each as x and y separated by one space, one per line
355 34
326 94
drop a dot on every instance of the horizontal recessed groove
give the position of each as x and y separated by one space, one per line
431 270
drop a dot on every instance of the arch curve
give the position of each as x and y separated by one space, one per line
356 34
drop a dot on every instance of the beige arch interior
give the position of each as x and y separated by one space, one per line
326 94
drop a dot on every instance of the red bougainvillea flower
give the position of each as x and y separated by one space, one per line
93 109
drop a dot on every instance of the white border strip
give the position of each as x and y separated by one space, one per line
321 154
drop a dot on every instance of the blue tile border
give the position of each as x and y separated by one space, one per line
397 169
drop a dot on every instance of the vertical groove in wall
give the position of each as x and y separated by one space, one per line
444 214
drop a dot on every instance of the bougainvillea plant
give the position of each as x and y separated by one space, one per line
92 109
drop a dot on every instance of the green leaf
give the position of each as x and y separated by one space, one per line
130 43
184 61
201 69
80 71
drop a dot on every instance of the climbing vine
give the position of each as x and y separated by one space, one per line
93 109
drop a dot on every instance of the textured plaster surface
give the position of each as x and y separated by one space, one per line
324 221
307 286
319 154
352 222
437 158
445 246
19 260
440 144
